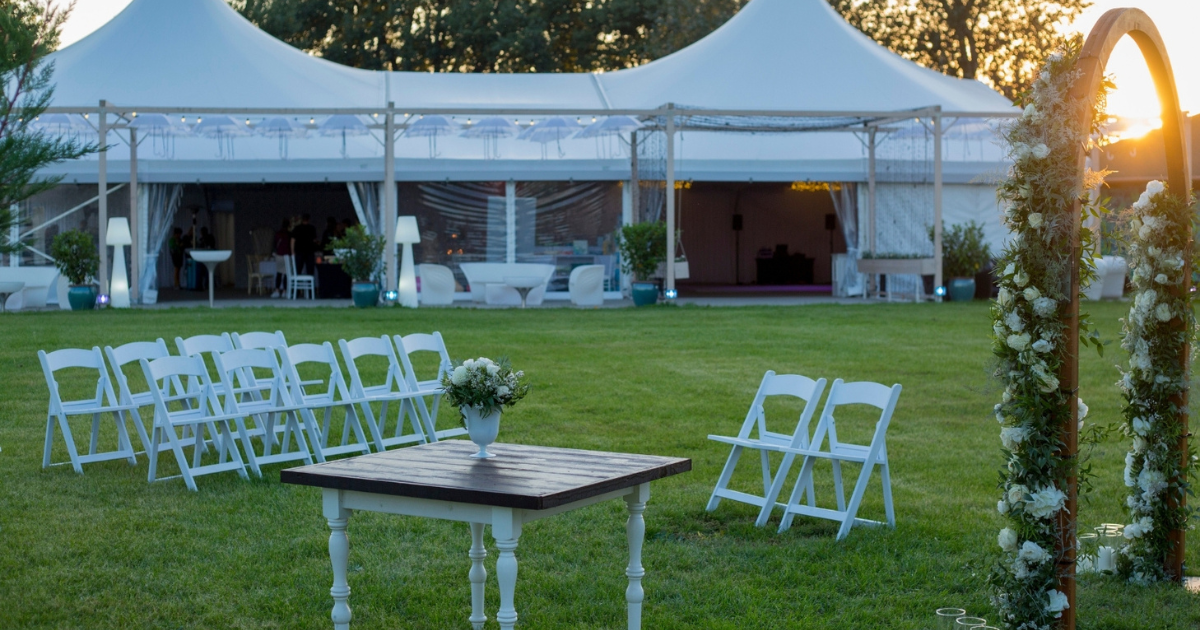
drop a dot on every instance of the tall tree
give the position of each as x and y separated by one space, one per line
1000 42
29 31
489 36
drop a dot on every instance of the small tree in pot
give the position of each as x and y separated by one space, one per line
643 248
77 258
359 253
964 254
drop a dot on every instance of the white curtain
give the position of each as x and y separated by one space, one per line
365 197
845 203
161 202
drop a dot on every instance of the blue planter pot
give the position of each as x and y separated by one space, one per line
82 298
366 294
645 293
962 289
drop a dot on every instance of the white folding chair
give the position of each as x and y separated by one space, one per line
431 390
202 412
132 352
393 389
297 283
259 340
334 395
755 435
104 401
272 402
875 454
200 345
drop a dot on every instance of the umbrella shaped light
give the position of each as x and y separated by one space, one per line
491 129
551 130
343 125
62 124
223 129
610 126
162 131
431 127
282 129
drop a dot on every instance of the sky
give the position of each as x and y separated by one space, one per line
1135 98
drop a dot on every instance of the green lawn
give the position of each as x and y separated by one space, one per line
108 550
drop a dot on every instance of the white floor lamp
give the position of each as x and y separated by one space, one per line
118 236
407 234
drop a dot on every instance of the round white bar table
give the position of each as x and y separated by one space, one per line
523 285
211 258
7 289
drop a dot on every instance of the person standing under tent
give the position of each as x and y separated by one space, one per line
283 248
304 246
175 248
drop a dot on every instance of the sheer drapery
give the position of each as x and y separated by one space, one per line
365 197
161 202
845 203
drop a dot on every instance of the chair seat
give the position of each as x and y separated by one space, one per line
80 407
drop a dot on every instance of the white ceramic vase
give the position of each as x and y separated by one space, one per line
482 429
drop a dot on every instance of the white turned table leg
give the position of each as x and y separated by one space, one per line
506 529
635 531
478 576
339 554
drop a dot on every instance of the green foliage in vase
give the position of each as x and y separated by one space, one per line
75 255
964 250
484 385
643 248
359 253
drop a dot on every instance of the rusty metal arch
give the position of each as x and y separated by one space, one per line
1104 36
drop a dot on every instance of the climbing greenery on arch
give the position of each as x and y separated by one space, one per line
1030 339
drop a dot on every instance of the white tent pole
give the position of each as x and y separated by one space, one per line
103 186
871 189
937 200
633 180
670 197
134 224
388 208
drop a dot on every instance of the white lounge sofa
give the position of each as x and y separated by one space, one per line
43 285
486 281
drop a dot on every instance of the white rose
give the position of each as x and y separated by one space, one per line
1139 444
1012 437
1018 342
1032 293
1046 502
1141 427
1016 494
1151 481
1007 539
1035 220
1129 480
1031 111
1002 506
1021 279
459 376
1004 297
469 364
1144 233
1041 151
492 369
1155 187
1083 409
1163 313
1032 552
502 390
1161 278
1044 306
1042 346
1013 321
1010 269
1057 602
1000 330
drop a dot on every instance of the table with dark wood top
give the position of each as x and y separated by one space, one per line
521 484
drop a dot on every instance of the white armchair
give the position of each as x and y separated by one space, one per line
586 285
437 285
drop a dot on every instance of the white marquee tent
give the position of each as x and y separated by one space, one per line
787 58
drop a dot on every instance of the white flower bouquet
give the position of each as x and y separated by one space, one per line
485 385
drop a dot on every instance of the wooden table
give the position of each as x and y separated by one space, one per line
522 484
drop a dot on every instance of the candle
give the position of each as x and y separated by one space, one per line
1105 561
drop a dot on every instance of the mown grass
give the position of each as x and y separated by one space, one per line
108 550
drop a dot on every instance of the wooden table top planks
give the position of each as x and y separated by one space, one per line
520 476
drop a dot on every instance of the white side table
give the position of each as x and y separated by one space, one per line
7 289
211 258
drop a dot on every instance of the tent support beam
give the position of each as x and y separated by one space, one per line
134 225
387 222
937 201
102 185
670 193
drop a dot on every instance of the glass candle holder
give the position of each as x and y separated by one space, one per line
1087 543
966 623
947 616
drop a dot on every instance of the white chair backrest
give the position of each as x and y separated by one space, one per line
259 340
289 266
200 344
295 356
239 365
841 394
133 352
160 372
77 358
372 346
423 342
792 385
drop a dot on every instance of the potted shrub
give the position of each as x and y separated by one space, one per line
77 258
481 389
643 248
359 253
964 254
